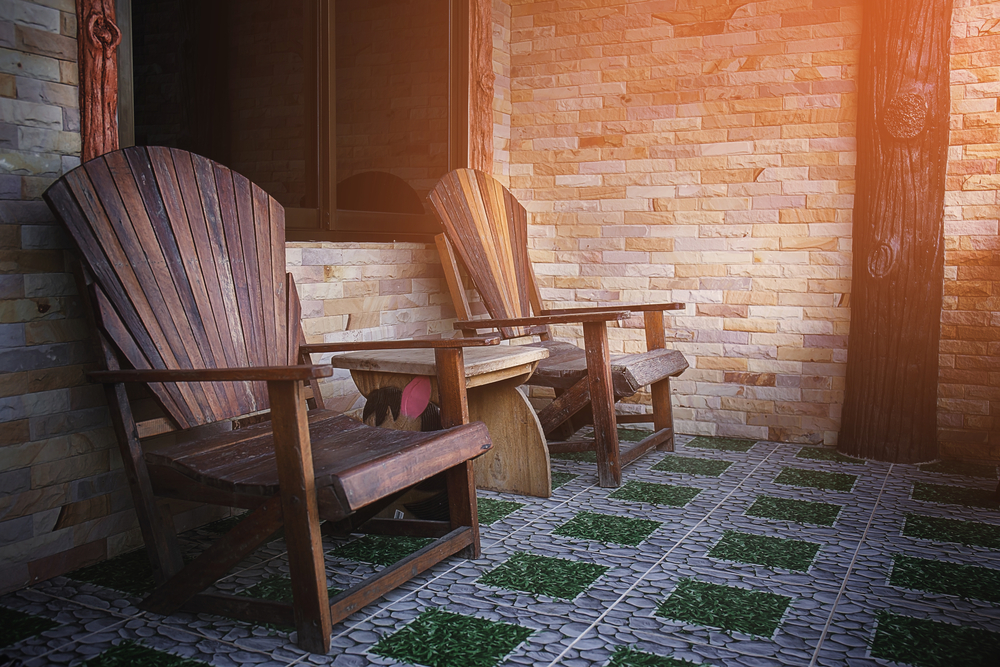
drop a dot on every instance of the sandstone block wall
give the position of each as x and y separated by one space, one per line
703 152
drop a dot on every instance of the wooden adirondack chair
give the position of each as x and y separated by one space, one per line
488 227
185 265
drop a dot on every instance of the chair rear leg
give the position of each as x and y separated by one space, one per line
462 507
663 414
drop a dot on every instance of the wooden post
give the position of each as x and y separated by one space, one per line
481 79
890 401
97 40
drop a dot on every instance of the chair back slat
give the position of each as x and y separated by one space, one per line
488 228
188 263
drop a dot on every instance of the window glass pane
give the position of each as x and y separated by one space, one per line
392 102
233 80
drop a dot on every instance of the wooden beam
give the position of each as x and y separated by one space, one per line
97 41
890 401
481 79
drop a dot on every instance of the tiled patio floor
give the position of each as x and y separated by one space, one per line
723 553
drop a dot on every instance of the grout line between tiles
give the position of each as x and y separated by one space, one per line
658 562
81 640
850 568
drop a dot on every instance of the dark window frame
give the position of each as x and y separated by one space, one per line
326 222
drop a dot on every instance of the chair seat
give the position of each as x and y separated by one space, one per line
567 364
361 463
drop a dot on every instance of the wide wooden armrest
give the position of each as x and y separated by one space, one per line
253 373
606 316
417 343
634 307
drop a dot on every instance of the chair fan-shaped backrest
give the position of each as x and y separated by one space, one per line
188 263
488 228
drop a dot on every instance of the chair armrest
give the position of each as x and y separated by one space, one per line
619 314
418 343
252 373
634 307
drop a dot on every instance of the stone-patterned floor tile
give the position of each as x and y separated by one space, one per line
74 624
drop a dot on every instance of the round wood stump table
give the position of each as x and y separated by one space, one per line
519 460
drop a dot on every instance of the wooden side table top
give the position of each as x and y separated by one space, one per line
483 365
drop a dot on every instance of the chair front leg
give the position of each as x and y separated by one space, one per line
663 415
602 402
297 486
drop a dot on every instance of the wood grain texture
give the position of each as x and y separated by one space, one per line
477 360
890 399
183 263
487 227
177 244
481 80
602 402
97 39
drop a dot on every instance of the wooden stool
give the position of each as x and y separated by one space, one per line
519 460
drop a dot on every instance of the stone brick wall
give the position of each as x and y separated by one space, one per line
368 291
969 399
59 499
703 152
700 154
501 91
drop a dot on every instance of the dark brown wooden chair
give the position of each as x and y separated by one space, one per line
488 228
184 265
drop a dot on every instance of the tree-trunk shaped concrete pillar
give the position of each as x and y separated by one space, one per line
890 401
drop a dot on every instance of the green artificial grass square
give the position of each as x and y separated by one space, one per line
438 638
624 435
830 481
773 552
129 573
491 511
542 575
961 468
827 454
923 643
381 549
132 654
632 434
16 625
625 656
727 607
561 478
656 494
692 466
584 457
969 533
799 511
955 495
608 528
935 576
278 588
724 444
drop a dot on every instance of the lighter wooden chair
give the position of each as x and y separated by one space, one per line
184 262
487 227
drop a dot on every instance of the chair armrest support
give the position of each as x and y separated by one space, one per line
619 315
634 307
419 343
258 373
